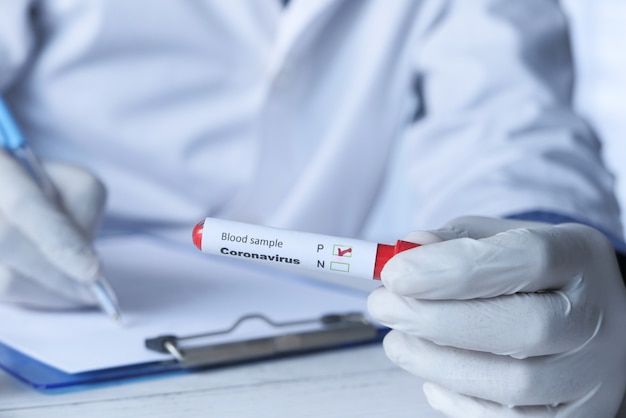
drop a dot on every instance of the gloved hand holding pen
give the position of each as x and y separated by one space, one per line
510 319
46 254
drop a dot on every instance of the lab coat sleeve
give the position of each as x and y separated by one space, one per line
16 38
497 135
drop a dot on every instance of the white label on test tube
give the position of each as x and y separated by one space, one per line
349 256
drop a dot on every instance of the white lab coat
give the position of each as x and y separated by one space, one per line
598 36
349 117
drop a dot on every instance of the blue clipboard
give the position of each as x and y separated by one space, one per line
338 331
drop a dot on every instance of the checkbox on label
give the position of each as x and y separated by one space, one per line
337 266
342 250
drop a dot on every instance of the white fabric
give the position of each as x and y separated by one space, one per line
598 32
314 117
510 319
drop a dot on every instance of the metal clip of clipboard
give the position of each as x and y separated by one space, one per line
334 331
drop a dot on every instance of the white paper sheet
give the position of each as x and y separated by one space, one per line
167 289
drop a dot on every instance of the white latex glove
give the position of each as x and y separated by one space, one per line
46 255
514 319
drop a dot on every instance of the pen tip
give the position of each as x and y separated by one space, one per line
106 299
117 317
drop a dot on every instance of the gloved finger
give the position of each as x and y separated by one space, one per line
429 237
20 290
477 227
500 379
455 405
520 325
56 234
518 260
21 257
84 200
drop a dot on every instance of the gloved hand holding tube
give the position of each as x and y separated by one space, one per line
509 319
46 255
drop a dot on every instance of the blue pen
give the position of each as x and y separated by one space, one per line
12 139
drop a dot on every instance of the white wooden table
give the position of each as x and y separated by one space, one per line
355 382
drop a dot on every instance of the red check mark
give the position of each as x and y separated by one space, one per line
341 252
